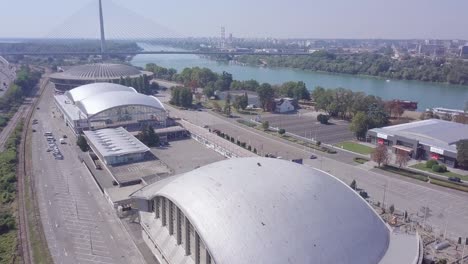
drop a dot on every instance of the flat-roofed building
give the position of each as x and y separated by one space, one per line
427 139
116 146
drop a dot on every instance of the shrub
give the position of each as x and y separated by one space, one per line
443 168
282 131
249 148
353 185
391 209
318 143
364 194
323 119
431 163
437 168
255 150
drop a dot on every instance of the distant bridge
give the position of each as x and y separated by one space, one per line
132 53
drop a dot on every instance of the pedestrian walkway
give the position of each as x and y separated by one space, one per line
211 140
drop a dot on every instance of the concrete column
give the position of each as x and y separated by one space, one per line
179 227
163 203
197 248
208 257
157 205
187 237
171 218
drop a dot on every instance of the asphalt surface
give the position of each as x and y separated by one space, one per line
447 208
306 125
79 224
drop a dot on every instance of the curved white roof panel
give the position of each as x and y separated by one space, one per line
275 211
103 101
82 92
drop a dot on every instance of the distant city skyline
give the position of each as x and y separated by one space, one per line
332 19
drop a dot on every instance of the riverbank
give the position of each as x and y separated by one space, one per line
428 95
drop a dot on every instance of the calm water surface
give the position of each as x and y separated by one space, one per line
427 94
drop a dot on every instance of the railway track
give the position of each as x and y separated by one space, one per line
24 245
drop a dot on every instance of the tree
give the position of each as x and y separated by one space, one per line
216 106
353 185
153 138
227 105
377 115
282 131
265 96
244 101
323 119
148 136
359 125
181 96
265 125
462 153
380 155
82 144
402 158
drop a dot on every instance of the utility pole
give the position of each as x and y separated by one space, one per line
384 192
101 22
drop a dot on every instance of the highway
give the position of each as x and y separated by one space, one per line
79 223
448 209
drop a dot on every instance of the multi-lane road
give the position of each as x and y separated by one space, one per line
79 224
447 209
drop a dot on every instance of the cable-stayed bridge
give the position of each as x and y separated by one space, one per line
106 22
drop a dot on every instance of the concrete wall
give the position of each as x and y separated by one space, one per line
169 232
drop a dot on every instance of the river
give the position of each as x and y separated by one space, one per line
428 95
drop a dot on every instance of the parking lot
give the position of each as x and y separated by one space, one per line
185 155
306 125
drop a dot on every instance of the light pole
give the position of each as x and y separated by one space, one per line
384 192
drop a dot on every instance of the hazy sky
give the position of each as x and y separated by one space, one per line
446 19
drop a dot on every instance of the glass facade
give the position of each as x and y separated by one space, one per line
127 115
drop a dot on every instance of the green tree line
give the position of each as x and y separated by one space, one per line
8 187
26 80
373 64
211 82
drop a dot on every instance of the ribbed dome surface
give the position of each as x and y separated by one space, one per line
99 71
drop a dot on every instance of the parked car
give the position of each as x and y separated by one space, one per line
313 157
454 179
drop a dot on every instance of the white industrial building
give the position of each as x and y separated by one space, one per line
261 210
104 105
116 146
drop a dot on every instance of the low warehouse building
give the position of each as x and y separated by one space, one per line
116 146
427 139
262 210
107 105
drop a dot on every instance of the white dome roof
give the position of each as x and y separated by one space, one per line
98 103
263 210
82 92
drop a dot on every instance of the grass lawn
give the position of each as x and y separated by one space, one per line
247 123
355 147
405 173
221 103
449 185
360 160
422 166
